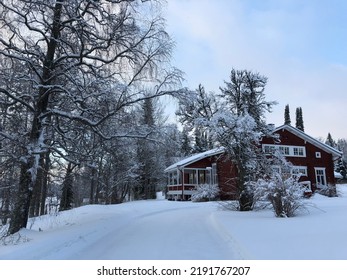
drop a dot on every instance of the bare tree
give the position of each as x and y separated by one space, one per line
76 57
195 109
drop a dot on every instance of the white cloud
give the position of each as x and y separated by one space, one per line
280 40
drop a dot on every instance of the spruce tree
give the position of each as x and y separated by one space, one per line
299 119
67 196
287 115
330 141
186 148
146 153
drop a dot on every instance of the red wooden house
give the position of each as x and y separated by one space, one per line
311 158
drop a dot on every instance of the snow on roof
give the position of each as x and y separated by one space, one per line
336 153
194 158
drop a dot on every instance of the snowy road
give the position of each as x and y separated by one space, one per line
181 232
159 229
137 230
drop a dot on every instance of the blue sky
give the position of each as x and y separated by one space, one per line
301 46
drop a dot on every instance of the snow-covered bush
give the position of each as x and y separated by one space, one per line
329 190
205 192
284 193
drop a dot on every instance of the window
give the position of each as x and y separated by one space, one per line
290 151
208 175
299 170
214 174
298 151
172 178
320 176
318 155
201 176
284 150
269 149
191 177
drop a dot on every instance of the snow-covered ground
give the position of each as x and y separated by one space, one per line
160 229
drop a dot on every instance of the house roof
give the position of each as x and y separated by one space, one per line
194 158
299 133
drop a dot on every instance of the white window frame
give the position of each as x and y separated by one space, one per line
299 151
323 175
214 174
318 155
297 169
174 178
286 150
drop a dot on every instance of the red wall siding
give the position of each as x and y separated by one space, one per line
225 171
326 161
227 174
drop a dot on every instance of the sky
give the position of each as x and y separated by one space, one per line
300 46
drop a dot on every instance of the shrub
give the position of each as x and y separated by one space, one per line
329 190
205 192
284 193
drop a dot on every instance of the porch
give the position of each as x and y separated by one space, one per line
183 182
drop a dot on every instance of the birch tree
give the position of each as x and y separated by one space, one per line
75 57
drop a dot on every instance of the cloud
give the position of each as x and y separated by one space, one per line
283 40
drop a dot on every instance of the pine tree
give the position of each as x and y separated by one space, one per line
201 141
66 200
287 115
341 167
186 148
299 119
147 154
330 141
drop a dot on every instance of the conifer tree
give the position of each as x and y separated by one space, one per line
146 152
287 115
67 196
186 148
299 119
330 141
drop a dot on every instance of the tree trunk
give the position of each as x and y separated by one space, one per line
30 167
37 190
19 217
92 186
44 184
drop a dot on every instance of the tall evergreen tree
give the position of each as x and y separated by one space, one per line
186 148
287 120
330 141
67 198
299 124
201 141
147 150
